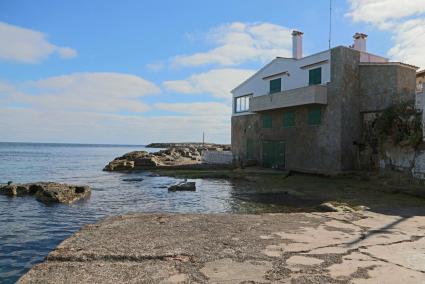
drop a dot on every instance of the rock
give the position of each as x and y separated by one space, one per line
61 193
183 186
14 190
119 165
335 207
133 179
47 191
150 161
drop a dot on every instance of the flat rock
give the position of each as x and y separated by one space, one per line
237 248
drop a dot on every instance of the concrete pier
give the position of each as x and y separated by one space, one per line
231 248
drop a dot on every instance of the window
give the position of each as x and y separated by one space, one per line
267 121
314 116
289 119
242 103
275 86
315 76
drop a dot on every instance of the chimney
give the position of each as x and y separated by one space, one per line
297 44
360 41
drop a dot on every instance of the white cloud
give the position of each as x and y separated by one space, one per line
405 20
384 13
97 92
88 127
213 109
67 52
86 108
28 46
217 82
237 43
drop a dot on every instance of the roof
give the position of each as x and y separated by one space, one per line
389 63
420 73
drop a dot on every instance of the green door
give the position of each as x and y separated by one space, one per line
273 154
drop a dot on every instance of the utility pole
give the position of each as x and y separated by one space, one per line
203 138
330 22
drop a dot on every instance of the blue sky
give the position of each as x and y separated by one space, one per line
144 71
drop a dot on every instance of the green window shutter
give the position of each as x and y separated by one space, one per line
289 119
315 76
275 86
314 116
267 121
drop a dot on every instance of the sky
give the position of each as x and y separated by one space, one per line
135 72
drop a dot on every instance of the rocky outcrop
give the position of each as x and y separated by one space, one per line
140 160
209 146
47 191
183 186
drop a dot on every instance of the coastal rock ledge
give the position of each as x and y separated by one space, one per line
174 156
47 192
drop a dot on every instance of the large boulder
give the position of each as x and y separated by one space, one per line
47 191
183 186
61 193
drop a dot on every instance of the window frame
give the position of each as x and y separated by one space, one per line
280 86
288 116
267 121
312 116
311 80
242 103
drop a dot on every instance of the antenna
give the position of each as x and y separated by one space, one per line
330 22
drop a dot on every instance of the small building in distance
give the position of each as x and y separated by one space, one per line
306 112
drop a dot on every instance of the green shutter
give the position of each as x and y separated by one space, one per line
314 116
289 119
275 86
267 121
315 76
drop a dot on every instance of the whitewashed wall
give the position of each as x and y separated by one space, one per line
217 157
297 78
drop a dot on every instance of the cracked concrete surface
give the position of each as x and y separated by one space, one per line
224 248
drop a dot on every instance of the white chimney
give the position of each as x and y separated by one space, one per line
297 44
360 41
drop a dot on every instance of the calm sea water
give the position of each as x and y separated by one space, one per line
29 230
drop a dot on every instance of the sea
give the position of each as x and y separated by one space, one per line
29 230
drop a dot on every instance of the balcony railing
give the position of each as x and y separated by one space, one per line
316 94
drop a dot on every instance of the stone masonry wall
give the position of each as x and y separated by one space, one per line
384 85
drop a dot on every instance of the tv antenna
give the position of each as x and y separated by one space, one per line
330 23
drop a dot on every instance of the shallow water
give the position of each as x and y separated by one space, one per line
29 230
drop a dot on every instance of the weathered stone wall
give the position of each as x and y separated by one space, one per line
345 91
403 157
384 85
307 147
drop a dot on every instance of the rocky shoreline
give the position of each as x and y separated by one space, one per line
47 192
177 154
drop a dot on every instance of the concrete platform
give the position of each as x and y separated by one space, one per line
226 248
